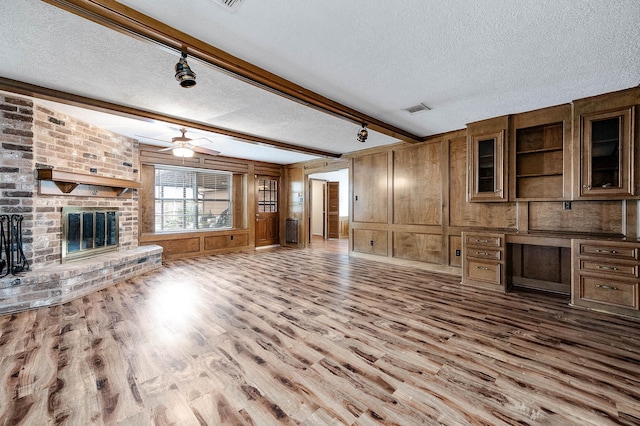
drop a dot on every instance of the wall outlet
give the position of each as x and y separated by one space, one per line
457 252
566 205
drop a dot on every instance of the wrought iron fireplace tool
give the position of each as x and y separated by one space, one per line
12 257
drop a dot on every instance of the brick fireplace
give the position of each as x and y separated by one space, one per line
33 137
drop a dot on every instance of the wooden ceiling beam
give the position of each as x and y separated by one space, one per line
40 92
121 18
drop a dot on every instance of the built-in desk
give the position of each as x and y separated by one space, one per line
539 240
598 273
541 262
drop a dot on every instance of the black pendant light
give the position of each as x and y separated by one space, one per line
184 75
363 134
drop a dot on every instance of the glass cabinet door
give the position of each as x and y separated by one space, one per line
486 168
606 154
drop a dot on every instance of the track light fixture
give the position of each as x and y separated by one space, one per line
363 134
184 75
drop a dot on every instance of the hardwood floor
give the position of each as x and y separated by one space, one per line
311 337
333 245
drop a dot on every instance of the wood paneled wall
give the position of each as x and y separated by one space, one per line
408 218
371 188
199 242
412 164
411 200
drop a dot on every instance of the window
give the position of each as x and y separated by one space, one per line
192 199
267 195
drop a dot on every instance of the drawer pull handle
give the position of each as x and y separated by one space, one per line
482 267
610 268
482 253
606 251
482 241
606 287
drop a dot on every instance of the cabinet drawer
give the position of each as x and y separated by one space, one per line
617 252
483 240
606 267
483 253
484 271
609 292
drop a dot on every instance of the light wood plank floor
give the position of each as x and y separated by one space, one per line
287 336
333 245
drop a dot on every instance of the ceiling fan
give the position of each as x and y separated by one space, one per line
185 147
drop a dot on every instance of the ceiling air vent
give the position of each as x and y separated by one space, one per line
417 108
230 5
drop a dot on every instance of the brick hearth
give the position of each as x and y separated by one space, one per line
34 136
64 282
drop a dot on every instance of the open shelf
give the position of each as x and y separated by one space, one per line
539 161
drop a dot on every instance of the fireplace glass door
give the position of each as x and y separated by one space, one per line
88 231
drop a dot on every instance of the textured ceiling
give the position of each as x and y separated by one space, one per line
465 60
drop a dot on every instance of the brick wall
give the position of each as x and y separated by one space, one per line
68 144
16 163
34 136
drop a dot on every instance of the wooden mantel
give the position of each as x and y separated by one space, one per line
56 182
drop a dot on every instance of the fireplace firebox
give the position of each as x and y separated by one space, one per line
89 231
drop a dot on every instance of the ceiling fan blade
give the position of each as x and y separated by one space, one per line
166 149
202 150
199 141
155 139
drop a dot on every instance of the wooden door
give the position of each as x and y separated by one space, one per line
486 168
333 209
317 208
606 154
267 218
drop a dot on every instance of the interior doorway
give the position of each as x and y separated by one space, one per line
328 219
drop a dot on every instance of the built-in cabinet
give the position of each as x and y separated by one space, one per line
605 276
606 153
605 147
483 260
544 159
584 152
540 163
487 166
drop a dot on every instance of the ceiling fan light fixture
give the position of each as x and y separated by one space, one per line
363 134
183 152
185 76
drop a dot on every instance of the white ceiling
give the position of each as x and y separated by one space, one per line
465 60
